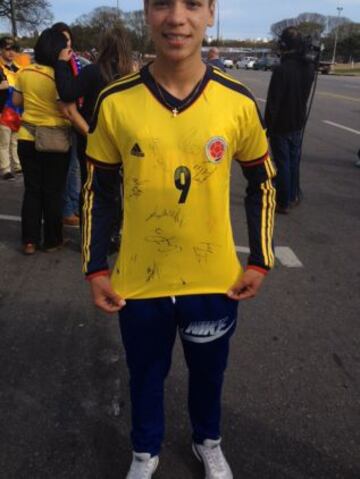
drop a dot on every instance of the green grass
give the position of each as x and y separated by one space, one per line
345 69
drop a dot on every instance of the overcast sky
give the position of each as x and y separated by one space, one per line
240 19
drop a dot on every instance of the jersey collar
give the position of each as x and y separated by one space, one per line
172 102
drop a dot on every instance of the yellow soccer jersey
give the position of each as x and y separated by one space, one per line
10 72
37 84
177 237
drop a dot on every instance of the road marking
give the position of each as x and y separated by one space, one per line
342 127
284 254
10 218
287 257
339 97
261 99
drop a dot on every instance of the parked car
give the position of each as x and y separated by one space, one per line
250 64
325 67
266 63
244 61
228 63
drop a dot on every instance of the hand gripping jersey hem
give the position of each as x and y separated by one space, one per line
178 291
171 293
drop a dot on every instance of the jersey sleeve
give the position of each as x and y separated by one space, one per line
252 143
260 199
102 203
102 146
260 202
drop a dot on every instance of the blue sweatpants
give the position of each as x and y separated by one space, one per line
148 328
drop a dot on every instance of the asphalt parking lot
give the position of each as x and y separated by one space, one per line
292 394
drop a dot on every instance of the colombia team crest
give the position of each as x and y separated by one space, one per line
216 149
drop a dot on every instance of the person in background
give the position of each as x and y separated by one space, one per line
44 171
71 210
285 115
114 61
175 128
214 59
9 114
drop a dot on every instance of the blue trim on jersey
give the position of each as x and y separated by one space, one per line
181 105
256 176
119 85
101 191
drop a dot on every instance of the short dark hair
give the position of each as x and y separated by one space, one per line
291 39
7 41
49 45
63 27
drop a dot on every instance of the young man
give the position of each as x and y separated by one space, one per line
9 115
175 128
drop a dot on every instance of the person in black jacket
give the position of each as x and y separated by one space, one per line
114 61
285 115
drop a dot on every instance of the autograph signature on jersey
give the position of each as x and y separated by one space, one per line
159 213
152 272
203 250
165 243
135 187
202 172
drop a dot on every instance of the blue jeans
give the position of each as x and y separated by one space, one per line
72 189
286 150
148 328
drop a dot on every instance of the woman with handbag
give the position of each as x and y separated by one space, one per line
43 147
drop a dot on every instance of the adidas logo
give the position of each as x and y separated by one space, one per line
137 151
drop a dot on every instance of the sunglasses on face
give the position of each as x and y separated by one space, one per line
14 48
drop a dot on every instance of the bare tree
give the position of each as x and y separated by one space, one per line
26 15
101 19
318 23
136 24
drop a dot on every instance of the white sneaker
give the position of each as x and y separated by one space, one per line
143 466
213 459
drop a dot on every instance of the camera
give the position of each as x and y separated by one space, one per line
307 48
312 49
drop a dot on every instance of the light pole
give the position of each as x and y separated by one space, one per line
339 9
218 23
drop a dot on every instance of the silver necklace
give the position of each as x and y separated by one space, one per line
175 111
